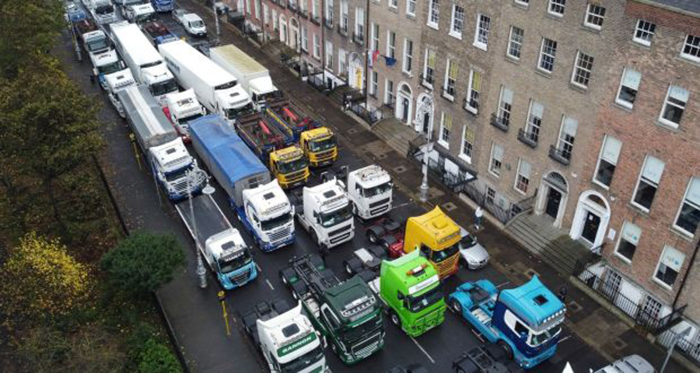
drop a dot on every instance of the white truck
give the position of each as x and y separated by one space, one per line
253 76
326 213
371 191
171 164
115 83
102 11
216 89
182 108
139 13
286 338
106 63
146 64
191 22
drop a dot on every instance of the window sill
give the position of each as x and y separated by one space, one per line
622 106
623 258
465 158
512 59
598 183
394 9
426 85
554 16
663 285
681 233
483 47
520 191
638 208
591 29
578 88
544 73
448 97
407 74
521 6
673 127
444 144
433 26
497 176
471 110
411 16
691 60
641 44
455 35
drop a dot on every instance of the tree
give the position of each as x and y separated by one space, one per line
157 358
40 281
142 262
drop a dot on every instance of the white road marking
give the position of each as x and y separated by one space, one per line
564 339
503 284
401 205
258 267
478 336
269 284
422 349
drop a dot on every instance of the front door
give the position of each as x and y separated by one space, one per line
426 123
404 113
590 227
553 201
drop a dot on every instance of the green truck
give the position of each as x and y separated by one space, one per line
347 313
411 288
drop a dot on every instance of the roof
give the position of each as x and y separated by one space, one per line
347 292
222 142
180 52
691 6
439 223
402 265
532 301
146 116
243 62
140 49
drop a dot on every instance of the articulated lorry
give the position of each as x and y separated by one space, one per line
216 89
347 313
437 238
286 338
221 245
525 321
104 64
171 164
145 63
116 83
261 205
370 190
251 75
182 108
325 212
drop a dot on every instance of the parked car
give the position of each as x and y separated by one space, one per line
629 364
472 254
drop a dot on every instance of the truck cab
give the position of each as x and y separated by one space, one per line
140 13
525 321
289 166
115 83
102 11
159 80
172 162
327 214
319 146
162 6
232 102
268 216
370 189
181 108
95 42
437 238
230 258
262 91
104 64
411 287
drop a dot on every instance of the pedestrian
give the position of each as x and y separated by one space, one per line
345 103
562 293
478 214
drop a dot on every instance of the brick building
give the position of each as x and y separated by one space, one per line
344 38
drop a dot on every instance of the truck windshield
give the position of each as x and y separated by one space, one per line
96 45
335 217
273 223
291 166
377 190
352 334
232 114
144 17
177 175
104 9
417 303
321 145
162 88
110 68
303 361
236 263
538 339
151 64
439 256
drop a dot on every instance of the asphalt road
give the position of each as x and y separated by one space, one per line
195 313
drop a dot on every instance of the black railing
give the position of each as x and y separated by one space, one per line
293 6
560 155
528 138
304 13
317 82
593 256
684 346
482 199
391 104
369 116
358 38
499 122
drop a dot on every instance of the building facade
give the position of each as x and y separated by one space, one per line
345 42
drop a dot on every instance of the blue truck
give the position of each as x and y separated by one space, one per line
163 5
260 204
525 321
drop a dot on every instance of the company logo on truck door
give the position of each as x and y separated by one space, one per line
295 345
422 285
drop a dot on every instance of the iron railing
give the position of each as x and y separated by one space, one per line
684 347
528 138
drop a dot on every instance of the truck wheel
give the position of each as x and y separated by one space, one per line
334 348
506 347
395 319
372 236
456 307
295 296
348 270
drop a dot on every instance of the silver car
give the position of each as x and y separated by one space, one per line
472 254
629 364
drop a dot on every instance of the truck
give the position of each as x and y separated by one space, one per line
174 169
92 40
260 205
115 83
215 88
102 11
191 22
294 116
253 76
325 212
221 245
525 321
411 288
370 190
139 13
286 338
437 238
181 108
346 312
163 6
319 146
106 63
143 59
158 33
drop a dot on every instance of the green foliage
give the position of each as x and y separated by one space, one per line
142 262
157 358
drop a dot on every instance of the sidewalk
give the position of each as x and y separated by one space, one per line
590 321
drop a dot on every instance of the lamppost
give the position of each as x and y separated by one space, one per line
216 20
428 148
193 176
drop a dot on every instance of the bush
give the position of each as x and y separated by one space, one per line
142 262
157 358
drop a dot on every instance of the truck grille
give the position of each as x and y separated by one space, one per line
295 176
279 235
241 278
339 230
431 320
337 239
367 347
447 265
324 156
379 203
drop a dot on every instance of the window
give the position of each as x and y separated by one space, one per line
504 106
473 91
648 182
607 161
317 47
629 240
565 144
481 36
629 85
523 178
407 56
691 48
582 69
329 13
496 160
674 105
393 4
303 6
257 9
465 152
266 15
374 86
521 329
344 22
375 36
342 63
275 20
391 44
411 7
360 25
515 42
669 266
547 54
457 24
594 16
534 121
304 39
644 32
451 78
429 72
314 9
490 195
445 129
689 215
389 95
329 54
433 13
556 7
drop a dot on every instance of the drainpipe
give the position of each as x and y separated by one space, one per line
323 39
366 56
687 272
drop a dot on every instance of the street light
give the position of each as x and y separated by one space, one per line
216 20
428 147
193 176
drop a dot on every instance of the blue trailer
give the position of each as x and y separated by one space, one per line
525 321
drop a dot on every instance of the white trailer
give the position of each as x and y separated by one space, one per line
216 89
253 76
143 59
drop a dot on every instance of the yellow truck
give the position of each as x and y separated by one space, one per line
437 237
289 166
319 146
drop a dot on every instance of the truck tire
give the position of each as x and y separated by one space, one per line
506 348
395 319
348 269
372 236
456 307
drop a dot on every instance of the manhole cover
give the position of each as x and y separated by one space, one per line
619 343
449 206
381 156
352 131
531 273
573 306
399 169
